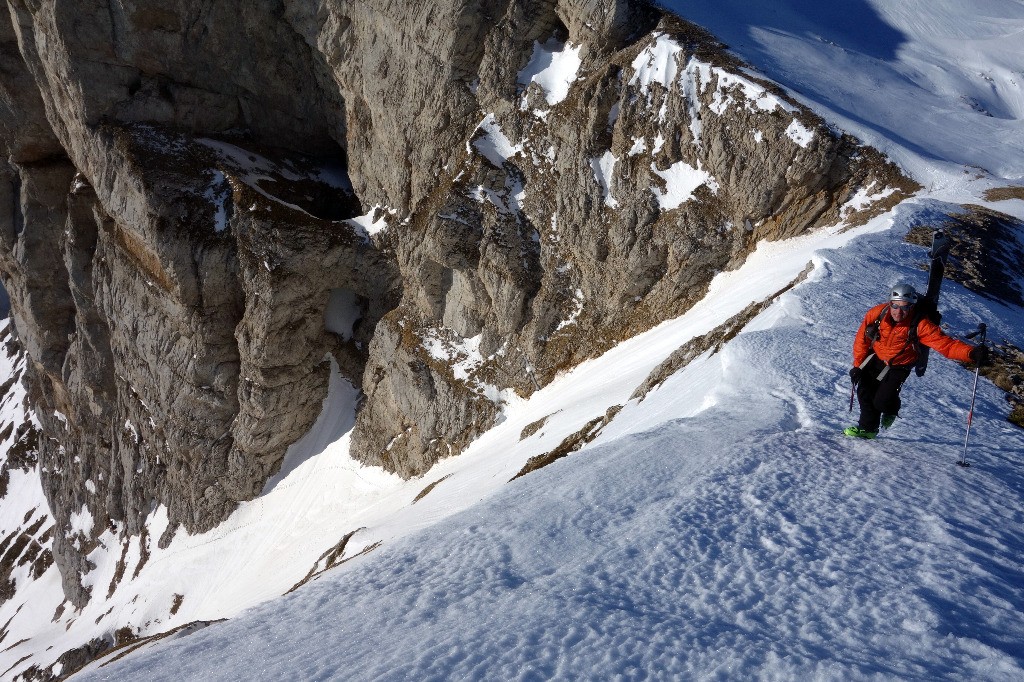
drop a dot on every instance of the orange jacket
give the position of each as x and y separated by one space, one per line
893 345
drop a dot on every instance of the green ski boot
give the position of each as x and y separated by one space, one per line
888 420
857 432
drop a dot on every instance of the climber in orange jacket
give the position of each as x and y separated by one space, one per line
884 354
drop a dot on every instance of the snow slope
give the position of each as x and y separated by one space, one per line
720 528
936 84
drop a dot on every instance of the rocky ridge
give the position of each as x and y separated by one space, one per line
448 201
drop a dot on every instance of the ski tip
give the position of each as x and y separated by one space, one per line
940 245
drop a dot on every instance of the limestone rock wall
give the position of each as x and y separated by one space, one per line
170 288
568 221
537 180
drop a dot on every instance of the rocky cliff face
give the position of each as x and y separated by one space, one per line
205 204
571 219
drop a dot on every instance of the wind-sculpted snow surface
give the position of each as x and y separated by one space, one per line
720 527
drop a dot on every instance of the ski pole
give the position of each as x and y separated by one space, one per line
853 392
970 412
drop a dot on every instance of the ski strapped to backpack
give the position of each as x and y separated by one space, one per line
937 255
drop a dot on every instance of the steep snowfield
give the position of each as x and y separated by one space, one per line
936 84
719 528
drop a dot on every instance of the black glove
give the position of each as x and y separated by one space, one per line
855 373
980 355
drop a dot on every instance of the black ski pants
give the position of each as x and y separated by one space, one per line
879 396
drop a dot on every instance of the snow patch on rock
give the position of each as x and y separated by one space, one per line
604 169
681 181
554 67
800 133
493 144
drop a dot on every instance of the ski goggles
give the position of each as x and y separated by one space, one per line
902 306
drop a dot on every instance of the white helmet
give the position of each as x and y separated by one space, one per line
903 292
